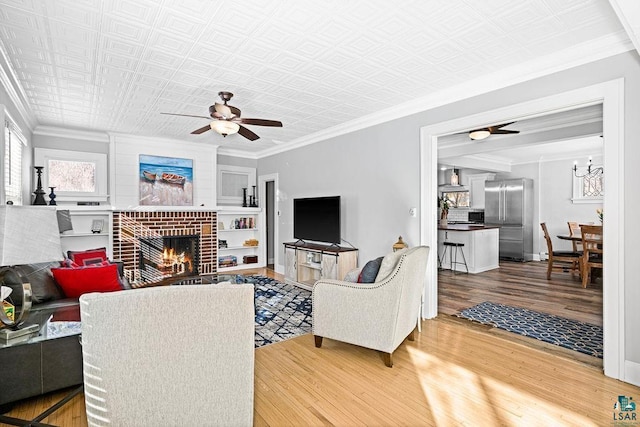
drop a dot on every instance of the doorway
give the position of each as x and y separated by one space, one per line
268 185
610 95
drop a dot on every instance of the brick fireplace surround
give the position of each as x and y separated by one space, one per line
129 226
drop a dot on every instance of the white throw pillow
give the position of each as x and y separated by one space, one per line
389 264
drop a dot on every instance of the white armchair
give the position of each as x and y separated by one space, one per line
376 315
169 355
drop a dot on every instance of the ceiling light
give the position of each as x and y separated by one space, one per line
224 127
479 134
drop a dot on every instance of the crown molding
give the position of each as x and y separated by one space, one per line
84 135
628 12
238 153
153 140
14 89
584 53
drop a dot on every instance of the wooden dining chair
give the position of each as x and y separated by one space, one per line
574 230
592 251
559 259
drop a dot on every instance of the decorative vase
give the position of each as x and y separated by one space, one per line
39 200
444 221
52 197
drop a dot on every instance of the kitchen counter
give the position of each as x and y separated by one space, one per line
480 246
466 227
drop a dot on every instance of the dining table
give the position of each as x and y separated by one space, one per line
576 237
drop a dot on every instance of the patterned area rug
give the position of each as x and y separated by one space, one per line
567 333
282 311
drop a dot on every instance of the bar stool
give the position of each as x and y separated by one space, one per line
453 257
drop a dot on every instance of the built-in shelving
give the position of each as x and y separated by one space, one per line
235 227
82 237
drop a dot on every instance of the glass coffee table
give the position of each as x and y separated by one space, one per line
211 279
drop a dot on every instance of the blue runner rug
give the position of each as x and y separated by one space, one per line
567 333
282 311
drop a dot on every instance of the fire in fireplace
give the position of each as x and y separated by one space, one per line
168 256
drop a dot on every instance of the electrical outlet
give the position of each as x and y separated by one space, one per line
413 212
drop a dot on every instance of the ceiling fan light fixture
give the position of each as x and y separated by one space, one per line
224 127
479 134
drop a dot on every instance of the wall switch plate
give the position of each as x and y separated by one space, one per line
413 212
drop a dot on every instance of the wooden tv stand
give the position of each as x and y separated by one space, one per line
306 263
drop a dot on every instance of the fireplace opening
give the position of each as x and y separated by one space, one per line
168 256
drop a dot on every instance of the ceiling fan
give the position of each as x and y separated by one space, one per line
227 121
491 130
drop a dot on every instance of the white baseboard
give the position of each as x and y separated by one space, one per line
632 372
279 268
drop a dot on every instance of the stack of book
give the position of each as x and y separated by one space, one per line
227 261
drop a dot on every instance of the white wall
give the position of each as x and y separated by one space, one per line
556 207
124 172
377 185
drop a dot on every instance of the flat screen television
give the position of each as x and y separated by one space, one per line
317 219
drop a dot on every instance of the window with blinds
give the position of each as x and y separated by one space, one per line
13 144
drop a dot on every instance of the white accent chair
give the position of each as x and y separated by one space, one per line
376 315
169 356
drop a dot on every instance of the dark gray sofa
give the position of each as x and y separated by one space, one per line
44 365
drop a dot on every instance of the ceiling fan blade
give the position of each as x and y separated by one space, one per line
247 133
260 122
185 115
234 110
503 131
502 125
201 130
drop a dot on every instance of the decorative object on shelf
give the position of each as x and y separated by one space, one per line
39 200
52 197
227 261
96 226
243 223
253 201
250 259
222 244
250 242
64 220
399 245
244 197
600 213
30 235
591 171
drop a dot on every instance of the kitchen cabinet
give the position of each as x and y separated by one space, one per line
476 189
480 246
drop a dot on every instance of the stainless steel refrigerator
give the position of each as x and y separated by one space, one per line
509 205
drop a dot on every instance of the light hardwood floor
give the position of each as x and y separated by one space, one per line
454 373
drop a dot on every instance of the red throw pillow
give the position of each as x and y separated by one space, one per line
91 256
77 281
